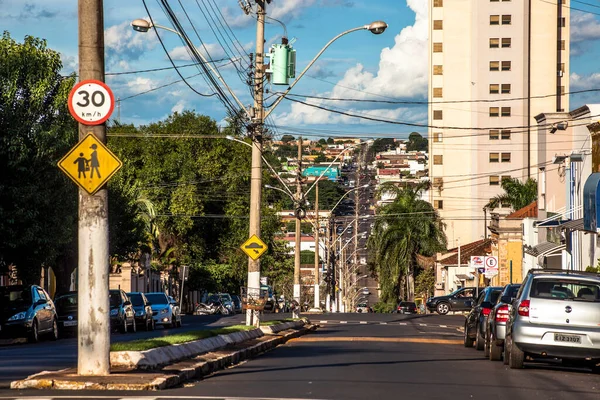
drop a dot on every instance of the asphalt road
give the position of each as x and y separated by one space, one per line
372 356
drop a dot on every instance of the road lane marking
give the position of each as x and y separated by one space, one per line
363 322
375 339
322 322
383 323
403 323
422 324
343 322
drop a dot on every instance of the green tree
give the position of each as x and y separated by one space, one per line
287 138
516 194
425 282
404 228
416 142
383 144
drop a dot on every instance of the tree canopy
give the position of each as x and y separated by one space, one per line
516 194
416 142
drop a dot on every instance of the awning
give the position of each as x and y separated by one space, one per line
464 277
543 248
549 223
574 225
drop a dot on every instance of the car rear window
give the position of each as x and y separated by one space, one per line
560 289
136 299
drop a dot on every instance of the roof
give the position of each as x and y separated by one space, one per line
574 225
542 248
481 247
529 211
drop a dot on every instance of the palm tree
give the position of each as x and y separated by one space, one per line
404 228
516 194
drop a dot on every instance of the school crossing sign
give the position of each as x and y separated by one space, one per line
90 164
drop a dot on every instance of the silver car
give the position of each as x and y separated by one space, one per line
556 315
495 323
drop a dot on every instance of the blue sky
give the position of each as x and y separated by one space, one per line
391 66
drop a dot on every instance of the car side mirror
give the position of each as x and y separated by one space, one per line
506 299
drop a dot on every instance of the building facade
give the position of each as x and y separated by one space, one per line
493 66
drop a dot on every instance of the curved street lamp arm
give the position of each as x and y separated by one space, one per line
309 65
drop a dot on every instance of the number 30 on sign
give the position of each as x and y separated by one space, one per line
91 102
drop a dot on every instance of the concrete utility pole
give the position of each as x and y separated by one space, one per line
298 232
93 328
253 316
317 247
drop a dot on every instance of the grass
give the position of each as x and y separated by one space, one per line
147 344
279 321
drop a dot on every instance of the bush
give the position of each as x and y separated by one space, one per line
382 307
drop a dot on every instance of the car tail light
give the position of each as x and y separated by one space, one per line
502 313
524 308
486 311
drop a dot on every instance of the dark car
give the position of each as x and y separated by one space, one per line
66 311
122 316
495 327
475 321
27 311
143 310
407 307
459 300
237 303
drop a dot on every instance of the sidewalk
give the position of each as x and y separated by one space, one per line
169 376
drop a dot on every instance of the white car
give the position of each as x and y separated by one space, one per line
362 308
165 310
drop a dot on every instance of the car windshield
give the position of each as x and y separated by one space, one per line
68 300
136 299
157 298
10 297
115 299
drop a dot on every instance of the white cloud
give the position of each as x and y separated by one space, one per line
288 9
402 73
584 27
179 107
214 50
582 82
140 84
122 39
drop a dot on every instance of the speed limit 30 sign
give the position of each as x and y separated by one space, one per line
91 102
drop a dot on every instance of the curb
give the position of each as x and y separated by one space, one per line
11 342
170 376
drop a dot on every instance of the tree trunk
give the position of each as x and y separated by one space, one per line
65 265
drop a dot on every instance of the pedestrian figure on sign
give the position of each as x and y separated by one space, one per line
82 166
94 161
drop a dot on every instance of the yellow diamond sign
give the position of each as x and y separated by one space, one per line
254 247
90 164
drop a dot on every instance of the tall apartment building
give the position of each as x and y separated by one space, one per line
493 66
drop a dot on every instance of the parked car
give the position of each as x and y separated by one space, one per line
143 310
459 300
237 303
163 310
66 312
362 308
475 321
555 315
407 307
176 307
495 326
27 311
122 315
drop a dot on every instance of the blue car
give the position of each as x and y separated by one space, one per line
27 311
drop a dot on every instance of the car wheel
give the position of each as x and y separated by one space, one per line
134 326
516 358
479 343
54 333
152 324
442 308
124 327
505 353
34 335
495 351
467 340
486 346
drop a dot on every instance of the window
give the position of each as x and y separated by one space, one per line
438 204
494 134
561 45
438 182
506 65
562 22
494 43
505 112
505 178
505 157
437 114
494 112
437 92
438 159
506 42
506 19
494 157
494 20
494 180
505 88
505 134
494 65
494 88
494 1
438 47
438 69
438 3
438 24
437 137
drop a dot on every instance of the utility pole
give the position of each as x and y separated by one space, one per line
317 247
253 316
298 231
93 344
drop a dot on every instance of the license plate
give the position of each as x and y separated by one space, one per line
70 323
559 337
